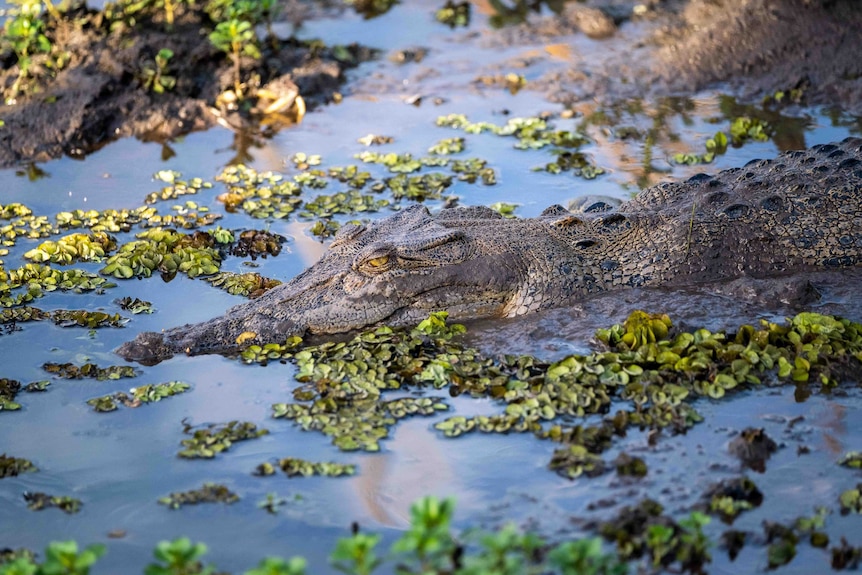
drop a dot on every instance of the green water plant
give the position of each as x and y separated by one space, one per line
295 467
39 501
89 370
138 396
209 493
250 284
454 14
13 466
207 442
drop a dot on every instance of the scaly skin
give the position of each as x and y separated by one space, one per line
801 211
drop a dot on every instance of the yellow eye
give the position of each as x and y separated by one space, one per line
378 262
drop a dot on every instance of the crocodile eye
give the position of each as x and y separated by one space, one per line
378 262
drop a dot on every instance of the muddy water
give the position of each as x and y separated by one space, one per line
120 463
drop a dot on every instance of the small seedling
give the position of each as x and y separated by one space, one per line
236 38
156 78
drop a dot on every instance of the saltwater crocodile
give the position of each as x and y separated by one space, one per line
800 211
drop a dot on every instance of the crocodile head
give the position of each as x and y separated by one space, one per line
393 271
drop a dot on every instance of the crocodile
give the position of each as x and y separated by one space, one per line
800 211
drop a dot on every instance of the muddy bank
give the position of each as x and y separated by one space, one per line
754 47
101 92
91 88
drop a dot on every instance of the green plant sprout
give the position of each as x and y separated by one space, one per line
157 79
236 38
24 35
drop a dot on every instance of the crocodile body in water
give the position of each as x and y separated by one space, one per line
800 211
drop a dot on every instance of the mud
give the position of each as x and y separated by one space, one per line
656 48
753 47
99 95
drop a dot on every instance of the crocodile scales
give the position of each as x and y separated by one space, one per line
801 211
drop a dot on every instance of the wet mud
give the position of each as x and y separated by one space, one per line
656 48
100 94
755 47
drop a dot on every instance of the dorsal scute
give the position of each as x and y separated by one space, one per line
555 211
468 213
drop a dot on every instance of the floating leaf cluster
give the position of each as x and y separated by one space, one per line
257 243
88 319
62 317
74 248
417 188
259 194
731 497
89 371
166 251
41 501
9 389
658 373
135 305
576 162
209 441
209 493
447 147
742 130
36 279
454 14
645 531
294 467
851 500
149 393
851 459
250 284
12 466
176 187
533 134
349 202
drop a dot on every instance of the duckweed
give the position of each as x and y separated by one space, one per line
209 493
41 501
12 466
293 467
206 443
